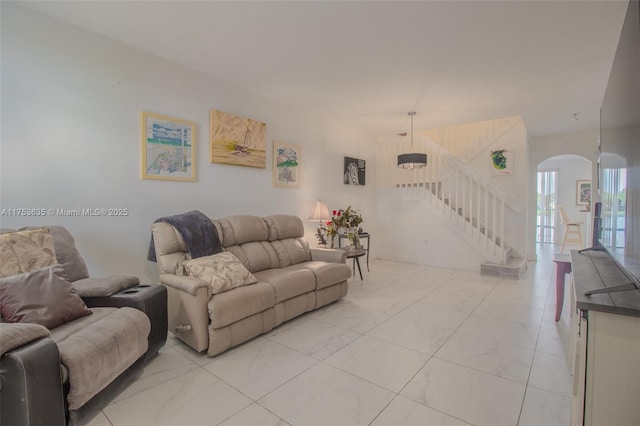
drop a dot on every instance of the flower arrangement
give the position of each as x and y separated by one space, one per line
342 218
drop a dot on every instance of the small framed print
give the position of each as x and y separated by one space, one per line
168 148
583 192
354 171
286 165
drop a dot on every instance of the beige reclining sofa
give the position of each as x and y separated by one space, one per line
290 279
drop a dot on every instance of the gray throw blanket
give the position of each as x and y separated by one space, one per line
198 232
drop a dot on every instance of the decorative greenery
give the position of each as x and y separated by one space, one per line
342 218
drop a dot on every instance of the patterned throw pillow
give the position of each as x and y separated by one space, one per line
223 271
25 251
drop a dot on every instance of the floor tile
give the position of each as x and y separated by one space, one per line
412 334
490 356
254 415
383 363
435 315
460 301
553 341
312 337
259 366
510 332
405 412
510 311
545 408
99 420
350 316
551 373
380 302
470 395
195 398
325 395
519 294
169 363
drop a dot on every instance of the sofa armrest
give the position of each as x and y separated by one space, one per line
329 255
31 391
104 286
183 283
14 335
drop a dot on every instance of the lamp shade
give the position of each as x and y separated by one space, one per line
414 160
319 211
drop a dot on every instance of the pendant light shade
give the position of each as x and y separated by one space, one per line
413 160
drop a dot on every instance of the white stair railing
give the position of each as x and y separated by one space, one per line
465 141
459 194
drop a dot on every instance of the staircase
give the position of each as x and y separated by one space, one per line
463 199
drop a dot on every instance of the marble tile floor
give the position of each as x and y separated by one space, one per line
409 345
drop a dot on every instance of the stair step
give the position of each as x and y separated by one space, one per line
513 269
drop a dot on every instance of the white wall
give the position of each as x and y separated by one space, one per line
583 144
410 232
71 104
570 168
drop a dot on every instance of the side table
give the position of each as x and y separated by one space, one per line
563 267
364 235
356 254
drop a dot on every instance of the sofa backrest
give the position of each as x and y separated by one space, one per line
258 242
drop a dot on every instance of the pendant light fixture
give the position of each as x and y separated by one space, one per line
413 160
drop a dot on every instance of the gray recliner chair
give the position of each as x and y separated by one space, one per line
58 368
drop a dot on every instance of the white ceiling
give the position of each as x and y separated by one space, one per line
370 62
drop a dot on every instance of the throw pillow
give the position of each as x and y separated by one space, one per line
25 251
223 271
44 296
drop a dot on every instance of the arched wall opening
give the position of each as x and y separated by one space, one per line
563 181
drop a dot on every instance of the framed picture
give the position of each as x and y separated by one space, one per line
583 192
168 148
286 165
501 163
237 140
354 171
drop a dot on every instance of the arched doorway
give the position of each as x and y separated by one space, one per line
562 180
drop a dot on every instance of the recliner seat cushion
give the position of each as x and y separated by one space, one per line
326 274
101 351
288 282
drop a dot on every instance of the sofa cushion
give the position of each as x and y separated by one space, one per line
98 353
284 226
25 251
44 296
288 282
231 306
291 251
67 253
326 274
256 256
241 229
222 271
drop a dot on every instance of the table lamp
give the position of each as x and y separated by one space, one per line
320 212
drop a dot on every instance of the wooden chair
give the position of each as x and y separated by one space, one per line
572 230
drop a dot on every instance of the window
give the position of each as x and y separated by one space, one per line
546 206
614 198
